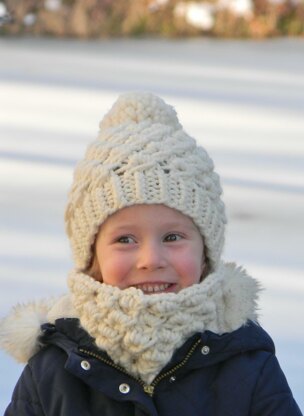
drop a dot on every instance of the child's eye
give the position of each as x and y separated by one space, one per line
172 237
125 239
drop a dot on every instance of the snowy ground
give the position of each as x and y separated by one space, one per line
243 100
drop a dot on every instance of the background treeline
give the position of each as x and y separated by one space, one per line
169 18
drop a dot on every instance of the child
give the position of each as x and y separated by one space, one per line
154 323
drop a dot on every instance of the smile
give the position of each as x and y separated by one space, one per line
153 288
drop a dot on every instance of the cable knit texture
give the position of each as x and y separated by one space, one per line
140 332
143 156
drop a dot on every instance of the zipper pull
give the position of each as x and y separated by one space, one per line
149 389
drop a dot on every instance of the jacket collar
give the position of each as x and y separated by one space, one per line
214 348
211 348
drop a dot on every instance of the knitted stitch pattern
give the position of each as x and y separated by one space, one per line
140 332
143 156
227 299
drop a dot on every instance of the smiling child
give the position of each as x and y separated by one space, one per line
154 323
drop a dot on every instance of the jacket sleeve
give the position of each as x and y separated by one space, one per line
272 396
25 401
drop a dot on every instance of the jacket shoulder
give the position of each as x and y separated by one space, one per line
254 383
272 394
44 383
35 380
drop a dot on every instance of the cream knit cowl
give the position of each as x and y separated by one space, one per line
141 332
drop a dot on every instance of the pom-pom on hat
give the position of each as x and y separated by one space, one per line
142 155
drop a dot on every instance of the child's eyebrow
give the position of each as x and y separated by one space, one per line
167 225
177 226
117 228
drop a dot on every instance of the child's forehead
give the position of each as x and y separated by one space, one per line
158 214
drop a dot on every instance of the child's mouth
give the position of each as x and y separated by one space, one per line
152 288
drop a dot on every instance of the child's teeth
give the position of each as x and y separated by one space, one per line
154 288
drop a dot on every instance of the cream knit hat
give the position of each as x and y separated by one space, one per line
143 156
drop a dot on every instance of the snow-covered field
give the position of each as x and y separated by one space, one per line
244 101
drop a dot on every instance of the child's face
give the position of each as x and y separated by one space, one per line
151 247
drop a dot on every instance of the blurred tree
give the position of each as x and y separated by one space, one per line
103 18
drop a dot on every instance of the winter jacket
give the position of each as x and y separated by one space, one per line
228 368
234 374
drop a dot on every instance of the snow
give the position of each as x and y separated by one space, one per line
244 101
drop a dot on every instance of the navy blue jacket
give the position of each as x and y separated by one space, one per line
235 374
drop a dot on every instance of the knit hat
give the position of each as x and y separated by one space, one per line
142 155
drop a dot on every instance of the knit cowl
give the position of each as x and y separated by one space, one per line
141 332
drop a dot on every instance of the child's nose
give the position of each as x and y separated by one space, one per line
151 257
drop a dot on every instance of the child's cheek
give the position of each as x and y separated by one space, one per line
190 268
115 270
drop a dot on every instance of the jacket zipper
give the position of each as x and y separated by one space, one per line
148 388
